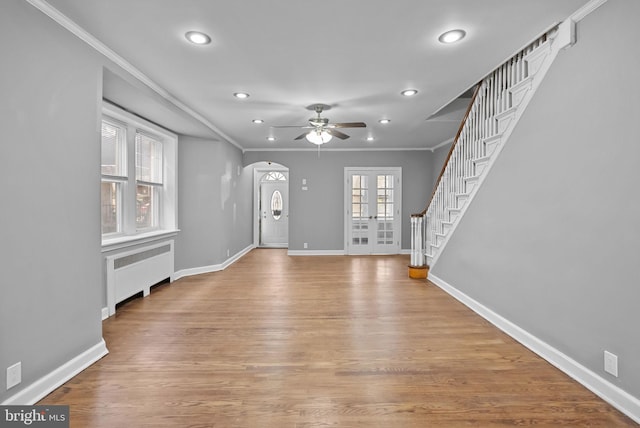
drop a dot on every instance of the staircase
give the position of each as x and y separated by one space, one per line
498 102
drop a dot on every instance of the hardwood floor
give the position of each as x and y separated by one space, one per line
278 341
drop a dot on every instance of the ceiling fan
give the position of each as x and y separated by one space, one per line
321 131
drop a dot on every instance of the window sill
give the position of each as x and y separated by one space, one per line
131 240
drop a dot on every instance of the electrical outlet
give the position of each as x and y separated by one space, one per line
14 375
305 245
611 363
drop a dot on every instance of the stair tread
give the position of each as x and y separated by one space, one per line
509 111
482 159
495 136
524 82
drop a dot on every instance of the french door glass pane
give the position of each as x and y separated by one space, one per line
384 209
385 200
359 210
359 197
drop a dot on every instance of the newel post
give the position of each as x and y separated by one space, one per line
418 268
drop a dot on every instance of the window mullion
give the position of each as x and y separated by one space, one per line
117 178
129 191
148 183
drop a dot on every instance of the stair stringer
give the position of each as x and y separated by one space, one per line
561 38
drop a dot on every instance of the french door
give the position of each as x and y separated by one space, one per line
373 210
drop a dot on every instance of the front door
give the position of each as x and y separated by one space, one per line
373 214
274 210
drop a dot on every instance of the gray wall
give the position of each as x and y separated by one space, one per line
439 156
214 207
316 216
50 296
52 290
552 239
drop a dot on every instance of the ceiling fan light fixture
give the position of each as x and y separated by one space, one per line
409 92
452 36
198 38
318 137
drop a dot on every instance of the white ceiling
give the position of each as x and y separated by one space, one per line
354 55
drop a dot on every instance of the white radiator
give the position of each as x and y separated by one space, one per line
131 272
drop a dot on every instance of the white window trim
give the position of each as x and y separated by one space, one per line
168 221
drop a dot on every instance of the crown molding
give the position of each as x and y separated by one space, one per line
355 149
107 52
444 143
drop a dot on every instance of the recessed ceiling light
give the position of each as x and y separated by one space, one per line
258 121
241 95
271 138
409 92
369 138
452 36
198 38
384 121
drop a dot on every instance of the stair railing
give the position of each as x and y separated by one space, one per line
483 122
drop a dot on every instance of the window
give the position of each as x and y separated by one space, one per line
138 177
148 181
274 176
276 205
113 175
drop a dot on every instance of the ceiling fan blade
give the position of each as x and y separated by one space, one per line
348 125
338 134
301 136
291 126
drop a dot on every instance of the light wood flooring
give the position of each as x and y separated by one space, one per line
329 341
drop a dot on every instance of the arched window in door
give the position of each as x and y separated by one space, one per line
274 176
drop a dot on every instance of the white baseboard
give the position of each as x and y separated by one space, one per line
316 253
612 394
48 383
212 268
328 252
105 313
